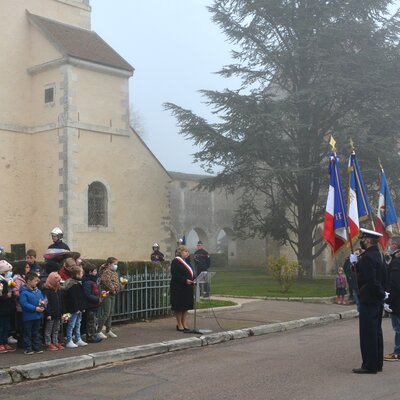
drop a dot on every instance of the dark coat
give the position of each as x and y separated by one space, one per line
74 297
7 304
91 290
59 245
372 276
55 302
181 293
394 283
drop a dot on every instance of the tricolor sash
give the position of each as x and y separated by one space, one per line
186 265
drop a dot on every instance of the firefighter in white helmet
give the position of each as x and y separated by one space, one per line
56 236
156 256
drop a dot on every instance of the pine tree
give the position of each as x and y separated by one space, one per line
308 69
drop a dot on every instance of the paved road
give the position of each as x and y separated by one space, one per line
303 364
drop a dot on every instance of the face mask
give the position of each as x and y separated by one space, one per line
114 267
9 274
362 245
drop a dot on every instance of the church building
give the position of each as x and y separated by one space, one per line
68 156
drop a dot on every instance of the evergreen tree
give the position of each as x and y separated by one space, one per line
309 69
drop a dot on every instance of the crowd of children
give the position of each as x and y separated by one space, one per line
59 303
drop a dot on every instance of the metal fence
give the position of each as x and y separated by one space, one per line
145 296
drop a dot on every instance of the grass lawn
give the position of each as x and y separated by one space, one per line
208 303
254 281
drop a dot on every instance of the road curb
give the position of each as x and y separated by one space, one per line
46 369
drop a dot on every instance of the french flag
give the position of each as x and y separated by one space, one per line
358 205
386 215
335 223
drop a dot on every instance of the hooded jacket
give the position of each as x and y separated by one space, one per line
74 297
29 299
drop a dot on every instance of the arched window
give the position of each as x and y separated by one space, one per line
97 204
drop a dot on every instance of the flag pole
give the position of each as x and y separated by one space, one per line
332 142
368 208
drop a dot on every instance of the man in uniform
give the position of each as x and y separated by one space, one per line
156 256
56 237
393 302
371 279
202 263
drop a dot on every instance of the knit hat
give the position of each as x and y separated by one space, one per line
5 266
53 280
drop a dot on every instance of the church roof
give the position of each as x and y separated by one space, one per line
182 176
79 43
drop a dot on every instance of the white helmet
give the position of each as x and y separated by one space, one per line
156 245
57 232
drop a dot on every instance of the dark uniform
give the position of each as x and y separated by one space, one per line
157 256
371 274
59 245
394 302
202 263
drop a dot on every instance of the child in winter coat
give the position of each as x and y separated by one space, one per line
55 308
75 304
341 284
21 268
7 305
92 295
33 305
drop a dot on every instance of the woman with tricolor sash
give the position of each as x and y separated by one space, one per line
181 290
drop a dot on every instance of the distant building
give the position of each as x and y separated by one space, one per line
208 216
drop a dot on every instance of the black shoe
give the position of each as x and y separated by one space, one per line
363 371
180 330
186 330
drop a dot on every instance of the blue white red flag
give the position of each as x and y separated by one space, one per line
386 215
335 224
358 205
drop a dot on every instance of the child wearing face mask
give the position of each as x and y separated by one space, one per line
7 305
110 287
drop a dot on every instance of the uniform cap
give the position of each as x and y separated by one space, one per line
369 234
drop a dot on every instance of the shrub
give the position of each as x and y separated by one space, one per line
284 271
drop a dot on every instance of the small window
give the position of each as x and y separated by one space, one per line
18 250
97 204
49 95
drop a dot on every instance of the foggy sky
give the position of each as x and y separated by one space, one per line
175 48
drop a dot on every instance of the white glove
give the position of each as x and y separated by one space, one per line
387 308
353 258
386 296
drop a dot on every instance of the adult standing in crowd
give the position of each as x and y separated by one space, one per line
202 263
111 286
371 278
181 290
56 236
393 302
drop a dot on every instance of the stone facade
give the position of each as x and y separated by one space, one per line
64 125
